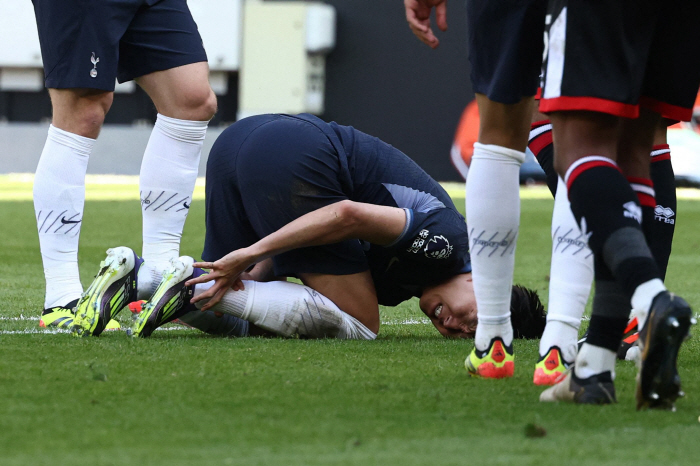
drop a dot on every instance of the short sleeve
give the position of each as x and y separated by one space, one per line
434 236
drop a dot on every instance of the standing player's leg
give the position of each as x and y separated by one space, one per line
663 218
626 268
571 276
585 153
59 195
670 85
590 137
185 104
163 52
655 188
79 45
571 273
493 217
504 77
595 181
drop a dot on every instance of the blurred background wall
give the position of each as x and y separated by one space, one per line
383 81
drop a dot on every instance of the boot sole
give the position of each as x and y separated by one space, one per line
658 382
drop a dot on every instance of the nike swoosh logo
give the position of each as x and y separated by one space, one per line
66 222
391 262
186 206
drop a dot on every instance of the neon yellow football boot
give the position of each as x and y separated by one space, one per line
551 368
63 316
58 316
496 362
171 299
113 288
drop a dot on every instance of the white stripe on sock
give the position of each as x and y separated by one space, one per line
582 160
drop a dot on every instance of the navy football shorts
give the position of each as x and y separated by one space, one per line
505 42
262 173
87 44
617 56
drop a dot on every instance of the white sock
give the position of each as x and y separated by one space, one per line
168 174
59 198
571 276
226 325
493 216
642 298
561 334
148 278
289 309
592 360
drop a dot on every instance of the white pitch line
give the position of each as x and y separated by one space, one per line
31 331
408 322
34 331
21 317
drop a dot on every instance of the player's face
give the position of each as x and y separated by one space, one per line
451 306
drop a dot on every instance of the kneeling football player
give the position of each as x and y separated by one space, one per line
357 221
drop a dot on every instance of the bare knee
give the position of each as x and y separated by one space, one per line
80 111
208 106
196 104
93 111
182 92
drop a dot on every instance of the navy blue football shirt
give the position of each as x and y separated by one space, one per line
267 170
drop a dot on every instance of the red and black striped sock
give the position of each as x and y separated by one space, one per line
644 189
608 210
664 220
541 146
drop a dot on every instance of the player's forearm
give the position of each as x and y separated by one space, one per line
332 224
326 225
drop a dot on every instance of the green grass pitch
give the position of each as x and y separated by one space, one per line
182 397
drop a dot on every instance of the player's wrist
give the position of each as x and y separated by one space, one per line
253 254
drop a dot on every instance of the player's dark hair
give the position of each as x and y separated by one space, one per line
527 313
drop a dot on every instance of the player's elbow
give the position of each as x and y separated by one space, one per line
347 216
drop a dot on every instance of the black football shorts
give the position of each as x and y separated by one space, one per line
615 56
87 44
505 41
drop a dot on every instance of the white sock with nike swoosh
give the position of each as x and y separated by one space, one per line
168 175
59 198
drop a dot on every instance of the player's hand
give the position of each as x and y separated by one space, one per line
418 17
226 274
